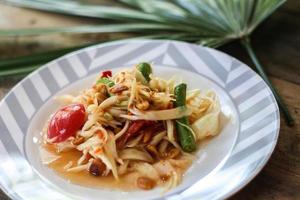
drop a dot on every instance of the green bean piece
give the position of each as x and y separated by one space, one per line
180 94
184 133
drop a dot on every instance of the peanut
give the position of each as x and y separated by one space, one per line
78 140
97 168
152 150
142 105
118 88
173 153
145 183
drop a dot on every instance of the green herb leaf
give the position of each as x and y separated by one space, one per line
105 81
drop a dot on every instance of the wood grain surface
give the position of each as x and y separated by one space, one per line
277 43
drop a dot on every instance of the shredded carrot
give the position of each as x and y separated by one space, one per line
100 134
98 150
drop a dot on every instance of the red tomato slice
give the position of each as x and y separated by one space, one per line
66 121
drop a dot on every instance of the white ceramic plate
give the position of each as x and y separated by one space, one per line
224 165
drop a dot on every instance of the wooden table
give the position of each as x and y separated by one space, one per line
277 43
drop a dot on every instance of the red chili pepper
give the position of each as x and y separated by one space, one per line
106 74
133 129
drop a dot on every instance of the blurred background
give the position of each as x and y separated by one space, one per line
276 43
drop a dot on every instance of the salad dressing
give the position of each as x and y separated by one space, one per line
126 182
84 178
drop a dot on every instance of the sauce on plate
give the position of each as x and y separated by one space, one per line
84 178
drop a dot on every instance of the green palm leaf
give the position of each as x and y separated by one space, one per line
113 28
207 22
85 10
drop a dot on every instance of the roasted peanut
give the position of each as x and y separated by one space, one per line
100 97
164 177
142 105
147 136
145 183
97 168
100 87
78 140
118 88
173 153
152 150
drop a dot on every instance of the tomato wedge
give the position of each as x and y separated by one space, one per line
65 122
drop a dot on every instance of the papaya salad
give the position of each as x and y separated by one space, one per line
133 122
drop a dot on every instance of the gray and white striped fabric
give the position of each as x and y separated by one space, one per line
257 109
